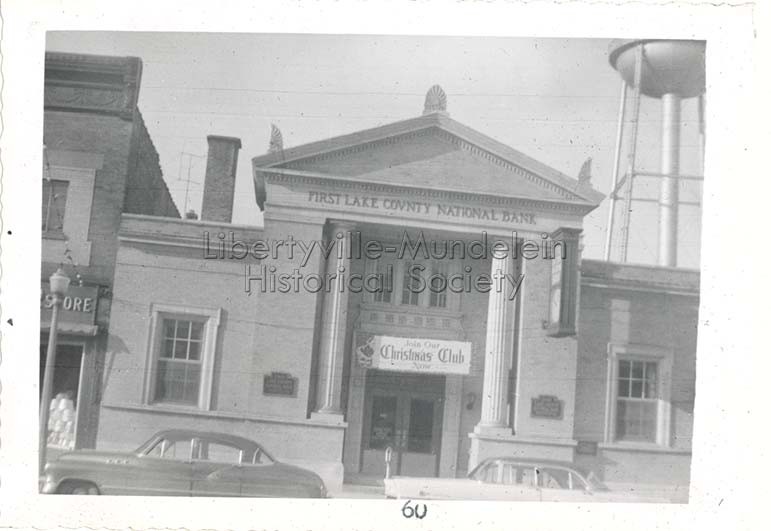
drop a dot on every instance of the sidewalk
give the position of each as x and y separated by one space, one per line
359 492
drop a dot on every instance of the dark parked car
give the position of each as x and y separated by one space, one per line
182 463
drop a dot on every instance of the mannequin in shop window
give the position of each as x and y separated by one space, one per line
61 421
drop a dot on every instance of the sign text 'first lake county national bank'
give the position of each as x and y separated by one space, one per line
420 207
412 354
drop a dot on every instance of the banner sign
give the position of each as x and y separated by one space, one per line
390 353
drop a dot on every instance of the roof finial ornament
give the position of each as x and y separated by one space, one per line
585 175
436 100
276 139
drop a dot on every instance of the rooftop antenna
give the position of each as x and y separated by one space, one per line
187 180
669 70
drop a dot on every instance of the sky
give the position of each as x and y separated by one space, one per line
556 100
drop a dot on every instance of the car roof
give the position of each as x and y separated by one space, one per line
535 462
176 434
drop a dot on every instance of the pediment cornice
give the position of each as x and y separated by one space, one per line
295 178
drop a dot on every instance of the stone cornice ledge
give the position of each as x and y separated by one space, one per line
642 448
228 415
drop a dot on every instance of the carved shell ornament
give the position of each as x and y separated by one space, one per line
276 139
436 100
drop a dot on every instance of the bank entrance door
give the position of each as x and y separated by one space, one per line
403 411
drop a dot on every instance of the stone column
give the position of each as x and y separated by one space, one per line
498 349
333 323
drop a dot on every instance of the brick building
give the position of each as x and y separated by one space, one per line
583 361
99 162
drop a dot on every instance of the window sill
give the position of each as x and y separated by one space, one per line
642 448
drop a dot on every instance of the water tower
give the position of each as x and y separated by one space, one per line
670 71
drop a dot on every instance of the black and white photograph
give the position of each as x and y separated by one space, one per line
396 268
406 305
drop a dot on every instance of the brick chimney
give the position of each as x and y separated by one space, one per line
220 182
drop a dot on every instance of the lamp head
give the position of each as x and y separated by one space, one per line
59 283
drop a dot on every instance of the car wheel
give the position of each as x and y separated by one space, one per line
78 487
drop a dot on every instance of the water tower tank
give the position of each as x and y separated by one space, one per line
668 67
669 70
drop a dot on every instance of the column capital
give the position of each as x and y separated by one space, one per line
341 224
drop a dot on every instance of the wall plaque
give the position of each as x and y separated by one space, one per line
279 384
546 406
586 447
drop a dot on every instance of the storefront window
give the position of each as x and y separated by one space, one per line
63 408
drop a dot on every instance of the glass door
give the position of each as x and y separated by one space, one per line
420 435
382 428
408 423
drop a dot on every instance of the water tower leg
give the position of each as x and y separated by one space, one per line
670 166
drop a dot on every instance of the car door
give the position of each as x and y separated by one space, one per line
216 468
265 478
164 470
517 482
561 485
498 479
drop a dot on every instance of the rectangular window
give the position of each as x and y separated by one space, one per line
438 285
411 284
637 400
179 361
54 203
384 294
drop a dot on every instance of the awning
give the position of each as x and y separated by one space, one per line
77 329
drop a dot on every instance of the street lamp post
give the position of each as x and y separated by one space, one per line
59 283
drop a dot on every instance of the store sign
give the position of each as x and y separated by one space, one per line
412 354
563 295
279 384
441 210
78 306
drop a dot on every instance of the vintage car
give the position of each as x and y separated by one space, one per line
182 463
512 479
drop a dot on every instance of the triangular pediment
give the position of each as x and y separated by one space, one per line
433 152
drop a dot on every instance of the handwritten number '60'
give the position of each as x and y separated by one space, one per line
409 512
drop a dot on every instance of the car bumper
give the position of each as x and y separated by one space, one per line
48 487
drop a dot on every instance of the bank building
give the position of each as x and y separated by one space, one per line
589 361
